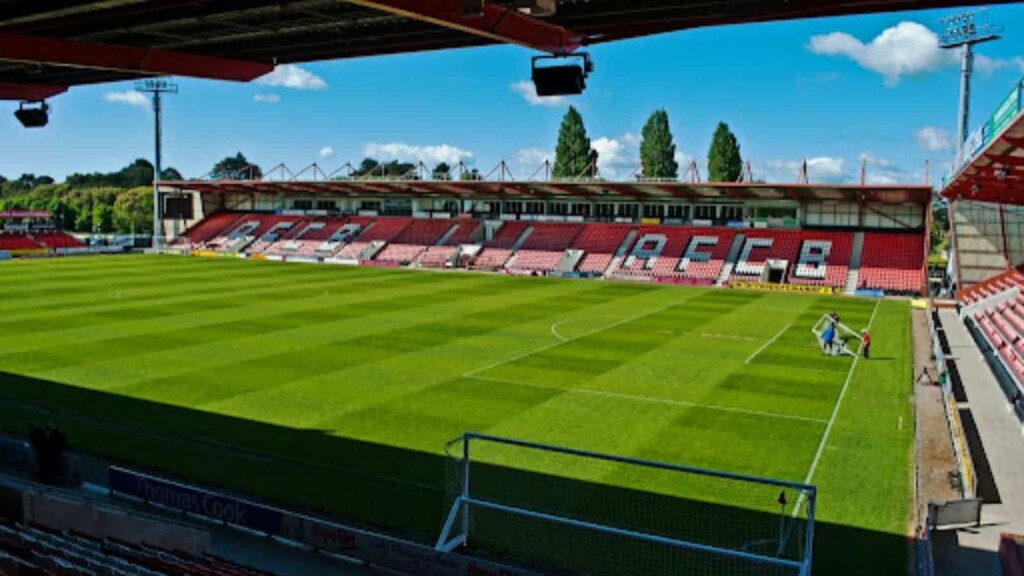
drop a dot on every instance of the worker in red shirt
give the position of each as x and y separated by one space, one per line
865 343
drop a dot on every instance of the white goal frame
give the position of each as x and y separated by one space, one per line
455 532
852 346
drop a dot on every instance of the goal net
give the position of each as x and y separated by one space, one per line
845 341
561 510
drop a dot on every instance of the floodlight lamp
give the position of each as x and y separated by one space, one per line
33 114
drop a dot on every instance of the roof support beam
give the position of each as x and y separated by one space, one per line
506 25
73 53
29 91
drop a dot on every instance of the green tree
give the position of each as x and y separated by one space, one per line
133 210
442 171
103 217
573 154
170 174
396 169
236 167
367 167
724 161
471 174
657 148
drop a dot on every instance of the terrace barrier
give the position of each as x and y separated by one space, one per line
372 548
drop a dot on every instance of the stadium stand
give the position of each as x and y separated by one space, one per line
507 235
437 256
491 259
352 250
655 253
57 240
599 242
423 232
498 249
383 229
802 251
210 227
694 255
31 551
551 237
17 241
892 262
535 260
403 253
465 232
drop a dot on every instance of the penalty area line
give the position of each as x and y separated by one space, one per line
648 399
832 419
768 343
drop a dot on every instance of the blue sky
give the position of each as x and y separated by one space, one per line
834 91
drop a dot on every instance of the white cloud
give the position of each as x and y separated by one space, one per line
266 98
327 152
987 65
821 169
882 171
683 160
129 97
528 91
616 158
906 49
429 155
934 139
534 157
291 76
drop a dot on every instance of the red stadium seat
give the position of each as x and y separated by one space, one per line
466 232
424 232
551 237
892 262
507 235
57 240
18 241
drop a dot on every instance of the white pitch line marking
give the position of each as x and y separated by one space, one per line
651 399
717 336
832 419
573 339
554 329
768 343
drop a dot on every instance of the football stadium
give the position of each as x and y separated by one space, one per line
456 372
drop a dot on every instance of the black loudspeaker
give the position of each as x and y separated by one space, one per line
559 80
33 117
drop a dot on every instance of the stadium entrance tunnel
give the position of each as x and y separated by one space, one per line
402 491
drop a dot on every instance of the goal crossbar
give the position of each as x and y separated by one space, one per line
455 532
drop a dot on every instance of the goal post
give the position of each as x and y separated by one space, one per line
847 339
562 509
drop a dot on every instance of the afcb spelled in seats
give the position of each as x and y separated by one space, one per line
812 257
690 254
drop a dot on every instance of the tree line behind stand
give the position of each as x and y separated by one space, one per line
120 201
575 157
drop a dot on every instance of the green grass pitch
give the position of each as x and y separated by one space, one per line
337 387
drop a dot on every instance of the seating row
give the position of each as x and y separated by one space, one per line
890 261
37 240
32 551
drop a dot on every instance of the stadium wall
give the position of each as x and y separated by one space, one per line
987 239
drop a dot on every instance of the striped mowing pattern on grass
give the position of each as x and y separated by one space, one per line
340 386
